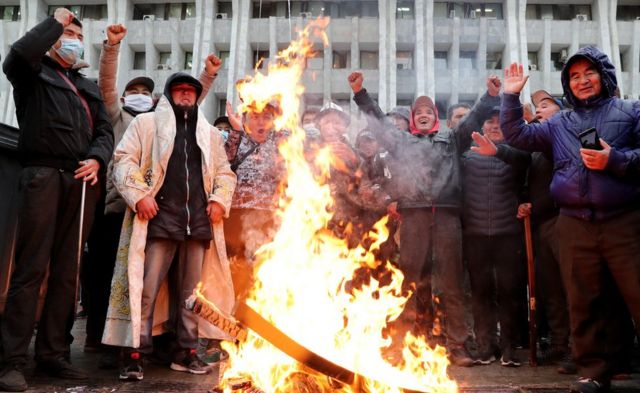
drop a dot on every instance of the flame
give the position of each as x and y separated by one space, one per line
304 278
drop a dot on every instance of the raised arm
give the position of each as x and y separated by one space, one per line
530 137
25 57
209 73
108 72
475 118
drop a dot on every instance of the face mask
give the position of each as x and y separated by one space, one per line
225 134
71 50
138 102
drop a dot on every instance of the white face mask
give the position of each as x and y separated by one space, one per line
138 102
71 50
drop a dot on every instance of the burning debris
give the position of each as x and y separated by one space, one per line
310 328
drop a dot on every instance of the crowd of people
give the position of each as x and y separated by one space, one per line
154 182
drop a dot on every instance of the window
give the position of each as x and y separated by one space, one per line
532 11
405 10
164 61
164 11
628 12
450 9
224 57
139 61
558 59
316 62
188 60
404 60
225 7
341 60
468 60
263 9
368 60
10 13
533 61
569 12
348 9
494 60
442 109
440 60
260 56
222 107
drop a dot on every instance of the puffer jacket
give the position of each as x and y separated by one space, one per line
492 190
581 192
55 130
428 165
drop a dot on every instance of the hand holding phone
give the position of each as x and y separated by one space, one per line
589 139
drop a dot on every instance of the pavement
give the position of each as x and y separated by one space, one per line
482 379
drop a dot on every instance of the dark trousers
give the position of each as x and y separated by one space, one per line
98 270
551 294
159 255
589 251
429 236
497 275
48 229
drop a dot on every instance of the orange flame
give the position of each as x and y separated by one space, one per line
302 277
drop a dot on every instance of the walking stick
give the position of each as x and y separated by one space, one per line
79 256
531 272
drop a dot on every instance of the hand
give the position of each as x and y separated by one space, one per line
212 64
392 211
344 152
64 16
115 34
514 78
234 119
493 85
596 159
88 171
147 208
485 146
524 210
355 81
215 211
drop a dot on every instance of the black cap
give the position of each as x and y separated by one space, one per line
221 119
141 80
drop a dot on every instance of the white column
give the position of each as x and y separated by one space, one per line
420 55
430 64
545 56
482 54
454 61
511 50
383 54
524 51
634 69
615 45
355 57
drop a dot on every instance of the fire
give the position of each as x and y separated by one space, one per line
303 278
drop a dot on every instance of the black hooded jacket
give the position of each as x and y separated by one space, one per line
55 130
181 199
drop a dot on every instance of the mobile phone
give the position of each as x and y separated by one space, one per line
589 139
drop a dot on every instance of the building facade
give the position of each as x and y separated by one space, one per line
444 49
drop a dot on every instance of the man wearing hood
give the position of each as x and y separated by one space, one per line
103 240
65 139
171 169
429 201
597 191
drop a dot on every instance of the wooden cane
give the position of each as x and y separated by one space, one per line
531 272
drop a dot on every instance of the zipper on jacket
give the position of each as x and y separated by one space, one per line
186 167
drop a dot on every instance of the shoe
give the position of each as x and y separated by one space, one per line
132 368
61 368
509 358
214 356
588 385
486 356
190 362
458 356
567 365
12 380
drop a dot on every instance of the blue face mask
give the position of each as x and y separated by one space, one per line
71 50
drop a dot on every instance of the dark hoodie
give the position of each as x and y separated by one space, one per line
579 191
181 199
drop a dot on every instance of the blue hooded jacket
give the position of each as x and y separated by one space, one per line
579 191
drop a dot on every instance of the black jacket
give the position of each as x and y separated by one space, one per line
543 207
54 127
493 186
181 199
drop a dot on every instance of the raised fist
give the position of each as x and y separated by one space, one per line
355 81
493 85
115 34
212 64
64 16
